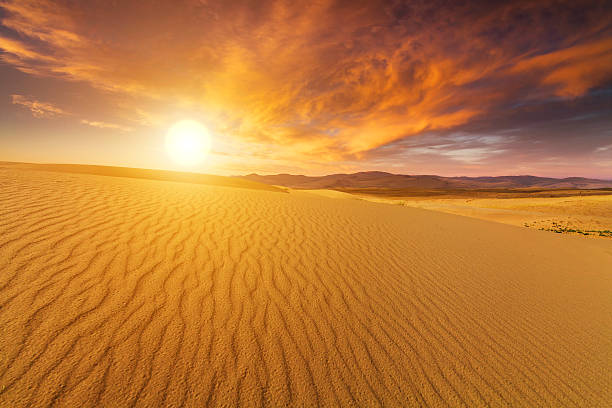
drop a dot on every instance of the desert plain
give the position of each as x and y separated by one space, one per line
589 215
142 292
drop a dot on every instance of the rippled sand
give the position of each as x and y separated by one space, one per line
131 292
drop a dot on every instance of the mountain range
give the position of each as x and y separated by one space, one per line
378 179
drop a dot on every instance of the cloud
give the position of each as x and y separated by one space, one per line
37 108
603 148
464 148
319 81
48 110
105 125
574 70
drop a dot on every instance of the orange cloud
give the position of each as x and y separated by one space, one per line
48 110
37 108
574 70
106 125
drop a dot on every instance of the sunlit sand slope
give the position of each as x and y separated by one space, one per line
164 175
127 292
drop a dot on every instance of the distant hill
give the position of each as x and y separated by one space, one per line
378 179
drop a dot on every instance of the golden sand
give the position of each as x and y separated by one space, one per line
583 215
131 292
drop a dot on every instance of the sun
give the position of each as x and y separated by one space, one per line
188 142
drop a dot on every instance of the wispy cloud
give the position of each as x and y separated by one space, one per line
603 148
464 148
40 109
106 125
37 108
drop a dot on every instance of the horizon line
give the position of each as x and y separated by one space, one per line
292 174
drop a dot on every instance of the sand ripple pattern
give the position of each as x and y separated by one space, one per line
140 293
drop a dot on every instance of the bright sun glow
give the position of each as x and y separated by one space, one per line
188 142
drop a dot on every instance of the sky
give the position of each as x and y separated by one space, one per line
451 88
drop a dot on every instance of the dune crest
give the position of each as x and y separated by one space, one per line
150 174
126 292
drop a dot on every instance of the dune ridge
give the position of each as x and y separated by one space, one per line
150 174
130 292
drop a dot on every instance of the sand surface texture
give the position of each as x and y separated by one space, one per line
131 292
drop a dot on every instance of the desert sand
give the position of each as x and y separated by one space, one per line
586 215
133 292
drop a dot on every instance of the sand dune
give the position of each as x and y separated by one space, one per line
131 292
164 175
